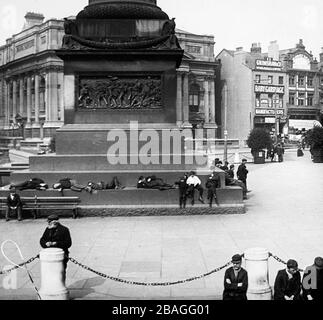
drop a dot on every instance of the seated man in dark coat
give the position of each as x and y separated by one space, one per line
14 204
57 236
152 182
313 281
288 283
235 281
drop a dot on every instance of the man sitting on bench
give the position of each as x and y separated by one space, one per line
14 204
193 182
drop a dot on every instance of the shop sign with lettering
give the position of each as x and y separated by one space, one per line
269 89
270 65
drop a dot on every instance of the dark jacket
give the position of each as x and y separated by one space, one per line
242 172
182 186
317 294
287 287
230 173
232 291
61 235
15 202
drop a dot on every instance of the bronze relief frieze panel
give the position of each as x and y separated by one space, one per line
119 92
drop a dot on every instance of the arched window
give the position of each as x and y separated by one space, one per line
194 98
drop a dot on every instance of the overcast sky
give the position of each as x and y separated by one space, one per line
234 23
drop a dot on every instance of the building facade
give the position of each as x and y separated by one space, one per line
279 90
32 81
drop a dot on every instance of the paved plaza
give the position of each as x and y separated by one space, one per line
284 214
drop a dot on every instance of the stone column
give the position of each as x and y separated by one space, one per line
52 122
6 105
36 125
212 101
179 101
14 100
29 103
61 95
21 96
257 267
52 275
206 101
186 112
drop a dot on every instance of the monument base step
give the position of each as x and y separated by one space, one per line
132 201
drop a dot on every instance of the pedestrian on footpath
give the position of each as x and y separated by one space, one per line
312 283
288 282
182 189
235 281
211 185
14 204
280 152
57 236
243 172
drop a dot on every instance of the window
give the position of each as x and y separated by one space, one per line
292 99
281 80
270 100
310 100
301 98
301 80
194 98
270 79
258 78
292 80
310 81
264 103
258 100
280 101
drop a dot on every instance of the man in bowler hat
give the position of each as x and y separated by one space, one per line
313 281
235 281
57 236
288 282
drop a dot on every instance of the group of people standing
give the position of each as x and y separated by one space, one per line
288 285
276 149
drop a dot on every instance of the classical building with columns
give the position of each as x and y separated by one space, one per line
196 80
31 78
32 88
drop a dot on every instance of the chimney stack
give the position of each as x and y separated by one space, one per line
255 48
321 55
273 50
33 19
239 48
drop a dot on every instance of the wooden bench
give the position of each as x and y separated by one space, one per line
36 204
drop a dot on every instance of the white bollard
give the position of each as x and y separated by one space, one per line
258 279
52 275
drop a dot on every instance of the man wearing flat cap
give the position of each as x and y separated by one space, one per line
57 236
288 282
235 281
313 281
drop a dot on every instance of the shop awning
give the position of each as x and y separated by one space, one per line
302 124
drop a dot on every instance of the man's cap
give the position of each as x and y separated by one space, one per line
292 264
192 173
244 160
53 217
318 262
236 258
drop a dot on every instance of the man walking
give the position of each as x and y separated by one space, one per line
14 204
182 188
235 281
243 172
57 236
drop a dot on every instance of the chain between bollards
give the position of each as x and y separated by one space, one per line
153 284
